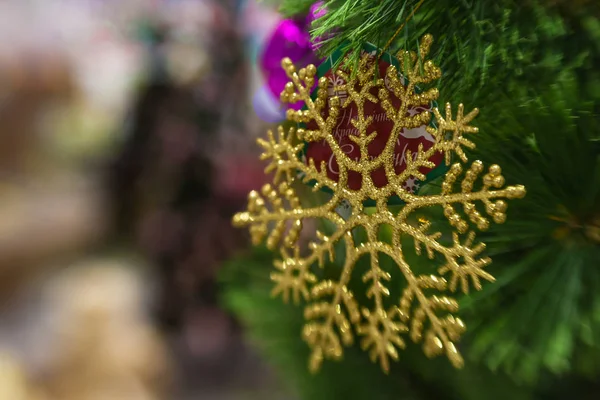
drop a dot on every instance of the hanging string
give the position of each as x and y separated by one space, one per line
389 43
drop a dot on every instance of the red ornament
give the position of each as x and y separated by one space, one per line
409 139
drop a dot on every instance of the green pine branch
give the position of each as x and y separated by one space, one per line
477 42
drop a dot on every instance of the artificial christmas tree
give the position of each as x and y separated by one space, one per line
535 332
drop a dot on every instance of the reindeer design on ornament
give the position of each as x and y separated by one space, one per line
418 132
412 185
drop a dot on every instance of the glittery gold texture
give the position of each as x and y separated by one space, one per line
334 317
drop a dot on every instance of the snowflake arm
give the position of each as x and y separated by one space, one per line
324 317
493 179
472 266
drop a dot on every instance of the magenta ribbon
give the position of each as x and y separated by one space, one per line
291 38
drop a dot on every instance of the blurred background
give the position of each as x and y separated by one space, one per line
126 145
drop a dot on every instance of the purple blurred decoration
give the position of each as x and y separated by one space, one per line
268 107
291 39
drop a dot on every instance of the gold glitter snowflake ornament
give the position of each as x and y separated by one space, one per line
423 312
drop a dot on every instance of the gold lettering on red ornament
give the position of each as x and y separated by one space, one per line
408 139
